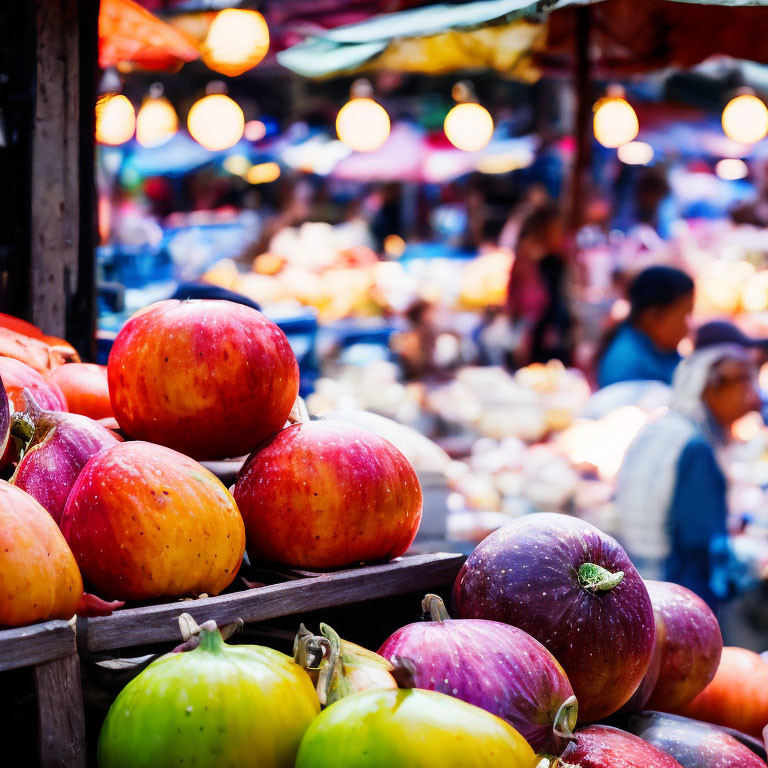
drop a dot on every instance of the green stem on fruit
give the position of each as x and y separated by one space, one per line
595 578
435 607
210 638
565 719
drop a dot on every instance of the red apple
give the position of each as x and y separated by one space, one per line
86 389
602 747
737 697
322 494
144 521
17 376
690 646
211 379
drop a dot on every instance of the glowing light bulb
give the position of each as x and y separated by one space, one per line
615 122
745 119
363 124
731 169
216 122
115 120
156 122
635 153
468 126
237 41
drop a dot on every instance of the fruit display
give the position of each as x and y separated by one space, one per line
145 521
85 388
737 697
423 729
216 705
575 590
323 494
39 579
693 744
211 379
56 447
491 665
18 376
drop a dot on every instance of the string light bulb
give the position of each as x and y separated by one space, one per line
615 121
362 123
216 122
115 119
157 121
468 125
237 41
745 119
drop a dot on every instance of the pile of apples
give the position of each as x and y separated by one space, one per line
105 485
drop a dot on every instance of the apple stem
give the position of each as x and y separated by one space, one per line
435 607
299 413
594 578
565 719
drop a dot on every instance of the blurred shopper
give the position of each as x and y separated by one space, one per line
536 296
644 346
671 493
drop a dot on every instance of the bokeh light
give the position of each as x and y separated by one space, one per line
468 126
363 125
745 119
156 123
237 41
731 169
115 119
615 122
255 130
263 173
635 153
216 122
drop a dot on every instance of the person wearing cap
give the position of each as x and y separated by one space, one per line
671 492
644 346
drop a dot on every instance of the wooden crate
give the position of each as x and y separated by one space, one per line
52 648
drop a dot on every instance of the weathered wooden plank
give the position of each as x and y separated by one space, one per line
54 247
60 711
158 623
39 643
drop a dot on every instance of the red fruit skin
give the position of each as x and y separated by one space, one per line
145 521
85 388
63 444
211 379
324 494
491 665
737 697
691 645
17 375
691 743
600 746
526 574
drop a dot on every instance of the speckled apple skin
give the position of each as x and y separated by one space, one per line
39 579
145 521
526 574
62 445
211 379
600 746
491 665
323 494
691 645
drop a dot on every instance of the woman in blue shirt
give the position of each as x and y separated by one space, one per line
671 493
644 346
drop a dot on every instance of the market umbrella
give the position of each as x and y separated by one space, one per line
130 34
626 36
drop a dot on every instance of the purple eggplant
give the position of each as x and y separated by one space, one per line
54 447
574 589
491 665
694 744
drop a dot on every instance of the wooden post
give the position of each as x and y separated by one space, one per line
61 248
60 711
583 122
